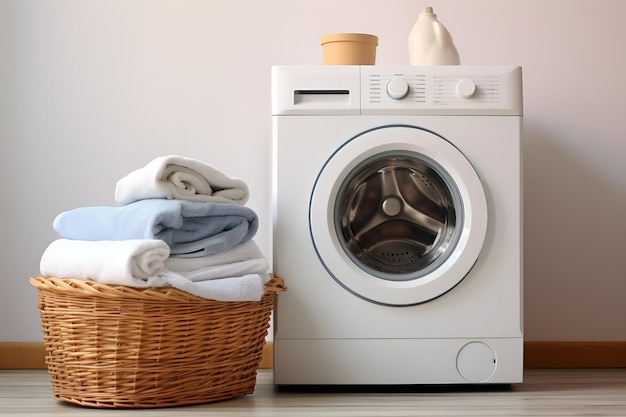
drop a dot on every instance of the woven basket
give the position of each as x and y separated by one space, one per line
120 347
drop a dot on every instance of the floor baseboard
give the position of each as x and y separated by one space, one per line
22 355
575 354
596 354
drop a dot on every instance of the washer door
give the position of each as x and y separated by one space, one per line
398 215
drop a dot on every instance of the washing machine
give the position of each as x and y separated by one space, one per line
397 224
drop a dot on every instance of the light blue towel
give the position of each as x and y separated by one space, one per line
189 228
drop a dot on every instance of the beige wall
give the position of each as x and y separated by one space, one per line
90 90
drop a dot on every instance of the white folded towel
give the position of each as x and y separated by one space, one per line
140 263
244 258
234 269
245 288
179 177
236 274
134 263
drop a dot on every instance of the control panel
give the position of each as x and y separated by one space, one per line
414 90
442 89
439 89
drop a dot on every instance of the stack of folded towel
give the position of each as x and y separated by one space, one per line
179 223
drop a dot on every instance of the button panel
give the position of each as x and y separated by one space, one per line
440 89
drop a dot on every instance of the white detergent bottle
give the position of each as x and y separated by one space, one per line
430 43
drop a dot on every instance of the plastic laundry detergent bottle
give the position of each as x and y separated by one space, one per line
430 43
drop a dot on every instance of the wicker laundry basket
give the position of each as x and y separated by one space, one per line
120 347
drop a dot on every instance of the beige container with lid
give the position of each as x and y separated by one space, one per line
349 49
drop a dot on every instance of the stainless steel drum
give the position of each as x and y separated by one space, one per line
397 214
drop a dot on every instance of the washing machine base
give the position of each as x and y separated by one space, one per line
398 361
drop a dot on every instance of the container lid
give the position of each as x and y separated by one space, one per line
350 37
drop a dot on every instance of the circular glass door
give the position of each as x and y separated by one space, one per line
398 215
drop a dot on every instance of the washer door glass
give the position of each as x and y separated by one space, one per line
398 215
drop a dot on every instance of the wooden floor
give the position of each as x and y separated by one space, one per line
569 393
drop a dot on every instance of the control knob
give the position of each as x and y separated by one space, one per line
397 88
465 88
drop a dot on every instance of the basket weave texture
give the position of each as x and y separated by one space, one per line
121 347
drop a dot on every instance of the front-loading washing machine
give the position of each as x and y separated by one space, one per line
397 224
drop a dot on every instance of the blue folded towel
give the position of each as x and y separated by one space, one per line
189 228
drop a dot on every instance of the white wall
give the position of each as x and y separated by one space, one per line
90 90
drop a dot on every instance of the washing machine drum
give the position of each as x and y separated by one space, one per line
398 215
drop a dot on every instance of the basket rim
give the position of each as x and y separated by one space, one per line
98 289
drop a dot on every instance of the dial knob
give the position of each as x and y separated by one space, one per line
397 88
466 88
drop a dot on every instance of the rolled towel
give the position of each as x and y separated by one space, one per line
134 263
189 228
178 177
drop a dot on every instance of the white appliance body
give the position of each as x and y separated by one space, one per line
397 224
